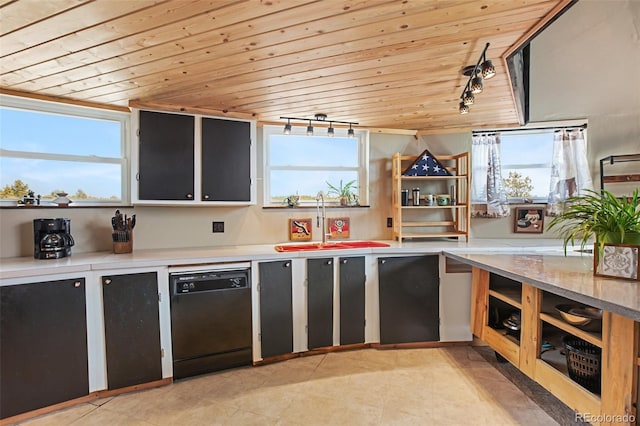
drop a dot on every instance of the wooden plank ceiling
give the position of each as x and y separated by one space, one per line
385 64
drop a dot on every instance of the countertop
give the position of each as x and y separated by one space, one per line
570 277
541 263
21 267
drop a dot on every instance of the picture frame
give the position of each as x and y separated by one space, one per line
528 220
339 228
300 229
617 261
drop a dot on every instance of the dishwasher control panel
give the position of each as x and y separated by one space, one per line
208 281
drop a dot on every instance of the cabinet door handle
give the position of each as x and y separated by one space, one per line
329 262
344 261
286 265
205 197
107 281
383 261
189 196
77 284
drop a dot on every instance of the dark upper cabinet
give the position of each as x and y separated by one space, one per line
191 159
276 308
166 156
43 353
226 151
409 299
320 302
352 299
132 329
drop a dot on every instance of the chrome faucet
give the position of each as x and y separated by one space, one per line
320 201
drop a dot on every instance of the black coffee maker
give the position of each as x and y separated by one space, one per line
52 238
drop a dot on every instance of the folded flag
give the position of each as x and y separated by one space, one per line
426 165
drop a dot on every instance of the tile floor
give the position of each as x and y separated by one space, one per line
443 386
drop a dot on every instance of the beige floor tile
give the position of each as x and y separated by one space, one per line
62 417
439 386
100 417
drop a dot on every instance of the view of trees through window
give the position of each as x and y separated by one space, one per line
526 176
47 149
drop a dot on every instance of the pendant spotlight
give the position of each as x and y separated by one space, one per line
350 132
483 69
319 118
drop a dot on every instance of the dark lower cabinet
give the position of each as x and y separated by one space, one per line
276 308
409 299
43 345
352 300
320 302
132 329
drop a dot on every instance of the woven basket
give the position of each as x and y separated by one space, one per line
583 362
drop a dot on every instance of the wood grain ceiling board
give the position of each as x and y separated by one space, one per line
392 64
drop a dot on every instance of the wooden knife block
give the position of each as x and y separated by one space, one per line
126 247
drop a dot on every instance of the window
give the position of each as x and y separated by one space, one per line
302 165
526 164
49 148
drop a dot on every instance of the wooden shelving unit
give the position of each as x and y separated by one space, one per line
617 337
432 221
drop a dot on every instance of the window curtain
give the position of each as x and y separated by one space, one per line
570 174
487 190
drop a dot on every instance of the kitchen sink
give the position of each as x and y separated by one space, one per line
338 245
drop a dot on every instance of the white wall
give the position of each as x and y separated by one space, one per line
585 65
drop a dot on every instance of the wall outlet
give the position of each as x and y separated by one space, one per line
389 222
218 226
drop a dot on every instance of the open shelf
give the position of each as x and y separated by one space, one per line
505 289
434 221
591 332
512 297
556 357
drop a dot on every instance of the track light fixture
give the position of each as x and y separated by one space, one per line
483 69
319 118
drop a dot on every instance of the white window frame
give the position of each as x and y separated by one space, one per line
533 128
49 107
362 137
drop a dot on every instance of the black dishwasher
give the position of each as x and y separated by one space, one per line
210 320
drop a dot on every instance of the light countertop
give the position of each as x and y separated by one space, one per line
20 267
571 277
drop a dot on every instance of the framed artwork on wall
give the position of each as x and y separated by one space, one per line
529 220
339 228
300 229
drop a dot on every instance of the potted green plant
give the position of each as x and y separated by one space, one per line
603 217
343 192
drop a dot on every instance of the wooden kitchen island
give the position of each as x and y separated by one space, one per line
531 286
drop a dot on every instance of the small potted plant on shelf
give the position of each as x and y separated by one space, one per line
602 217
344 192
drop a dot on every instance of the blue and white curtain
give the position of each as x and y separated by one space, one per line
570 174
488 196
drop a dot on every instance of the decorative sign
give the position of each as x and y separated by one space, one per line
300 229
529 220
339 227
617 260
